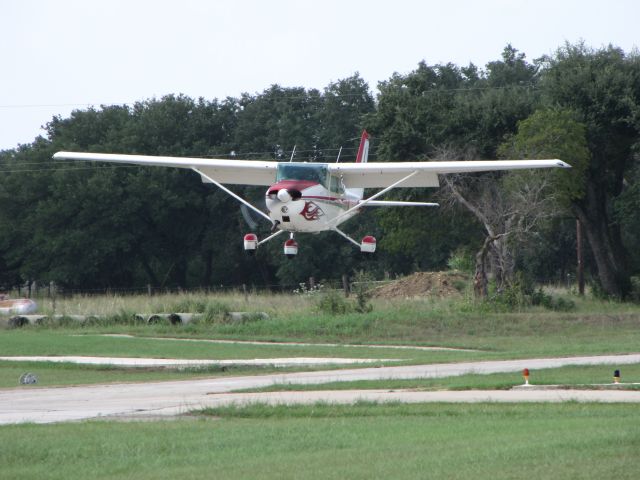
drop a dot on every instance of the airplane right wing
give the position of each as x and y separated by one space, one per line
240 172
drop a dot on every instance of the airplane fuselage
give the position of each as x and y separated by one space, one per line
314 210
307 199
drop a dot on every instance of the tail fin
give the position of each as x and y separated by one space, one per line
362 157
363 150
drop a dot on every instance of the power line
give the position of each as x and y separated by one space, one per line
267 153
262 97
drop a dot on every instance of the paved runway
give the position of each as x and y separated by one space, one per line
181 362
47 405
287 344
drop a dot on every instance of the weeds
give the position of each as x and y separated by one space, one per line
521 293
362 288
333 302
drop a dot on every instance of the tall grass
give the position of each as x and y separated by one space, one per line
594 326
109 304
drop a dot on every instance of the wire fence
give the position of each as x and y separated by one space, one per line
52 290
36 290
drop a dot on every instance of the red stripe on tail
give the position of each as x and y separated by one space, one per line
363 150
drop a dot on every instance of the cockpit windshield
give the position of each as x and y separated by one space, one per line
313 172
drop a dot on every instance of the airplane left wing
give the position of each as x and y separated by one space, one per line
240 172
383 174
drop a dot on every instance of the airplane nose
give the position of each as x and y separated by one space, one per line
284 196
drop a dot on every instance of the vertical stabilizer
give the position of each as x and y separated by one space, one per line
362 157
363 150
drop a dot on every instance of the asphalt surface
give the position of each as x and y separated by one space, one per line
289 344
181 362
48 405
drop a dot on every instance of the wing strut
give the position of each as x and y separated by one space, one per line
265 240
373 197
237 197
340 232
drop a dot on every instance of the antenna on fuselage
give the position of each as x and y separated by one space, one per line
293 153
339 152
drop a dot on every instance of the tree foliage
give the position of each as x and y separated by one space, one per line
98 226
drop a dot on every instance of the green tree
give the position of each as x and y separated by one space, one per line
602 88
447 108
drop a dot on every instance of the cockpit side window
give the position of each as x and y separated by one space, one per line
335 184
303 171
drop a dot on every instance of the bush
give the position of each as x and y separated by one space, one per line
362 289
333 303
521 293
462 260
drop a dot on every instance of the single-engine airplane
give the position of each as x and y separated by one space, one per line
314 197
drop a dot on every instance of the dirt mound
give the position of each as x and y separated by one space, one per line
423 284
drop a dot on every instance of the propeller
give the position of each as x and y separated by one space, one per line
252 218
248 216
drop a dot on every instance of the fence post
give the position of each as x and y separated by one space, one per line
52 294
345 284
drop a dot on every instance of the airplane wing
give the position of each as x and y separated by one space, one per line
354 175
383 174
240 172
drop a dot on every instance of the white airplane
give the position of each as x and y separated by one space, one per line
315 197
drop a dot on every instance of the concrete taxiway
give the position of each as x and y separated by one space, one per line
290 344
185 363
47 405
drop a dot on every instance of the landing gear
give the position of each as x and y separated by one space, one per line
250 243
368 244
290 247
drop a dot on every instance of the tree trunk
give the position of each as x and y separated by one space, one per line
208 268
480 281
608 251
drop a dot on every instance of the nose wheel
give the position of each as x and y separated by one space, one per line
290 247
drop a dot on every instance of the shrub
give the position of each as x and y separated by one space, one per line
362 289
462 260
521 293
333 303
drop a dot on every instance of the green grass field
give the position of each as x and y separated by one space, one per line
57 342
59 374
323 441
593 328
483 441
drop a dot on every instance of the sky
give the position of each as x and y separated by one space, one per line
62 55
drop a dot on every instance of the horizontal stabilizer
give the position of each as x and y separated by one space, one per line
382 203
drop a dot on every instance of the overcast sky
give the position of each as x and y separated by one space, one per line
65 54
